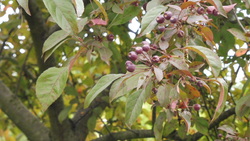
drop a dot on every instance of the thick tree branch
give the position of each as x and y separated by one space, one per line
21 116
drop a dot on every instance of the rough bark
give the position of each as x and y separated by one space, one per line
21 116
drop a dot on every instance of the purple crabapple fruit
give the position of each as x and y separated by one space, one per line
146 47
132 55
199 84
167 15
110 37
220 135
173 19
200 10
154 90
197 107
138 50
130 67
160 19
215 12
128 63
209 11
180 33
155 59
161 28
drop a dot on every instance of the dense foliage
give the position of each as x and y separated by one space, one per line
120 70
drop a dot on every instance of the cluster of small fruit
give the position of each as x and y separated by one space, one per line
143 52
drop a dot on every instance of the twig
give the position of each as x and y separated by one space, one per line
237 18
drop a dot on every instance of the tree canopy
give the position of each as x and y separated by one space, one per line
101 70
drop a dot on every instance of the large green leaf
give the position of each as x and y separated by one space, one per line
54 39
243 106
103 83
50 85
222 99
79 6
63 13
212 58
201 125
148 22
127 15
135 102
158 126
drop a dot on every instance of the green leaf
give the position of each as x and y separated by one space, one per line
54 39
103 83
135 102
243 106
50 85
222 99
158 126
79 6
186 116
48 53
163 94
117 89
128 14
63 13
25 5
238 34
170 127
64 114
81 23
179 63
201 125
212 58
105 54
148 22
220 8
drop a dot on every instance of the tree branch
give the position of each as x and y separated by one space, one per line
21 116
132 134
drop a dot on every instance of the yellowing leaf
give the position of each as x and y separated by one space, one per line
212 58
185 5
207 33
192 90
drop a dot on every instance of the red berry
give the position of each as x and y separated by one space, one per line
173 19
155 59
146 48
132 55
138 50
197 107
110 37
215 12
200 10
180 33
128 63
131 67
167 15
160 19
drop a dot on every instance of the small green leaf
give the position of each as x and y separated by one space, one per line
103 83
63 13
201 125
117 89
81 23
50 85
163 94
48 53
148 22
212 58
54 39
179 63
135 102
220 8
158 126
105 54
243 106
25 5
64 114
